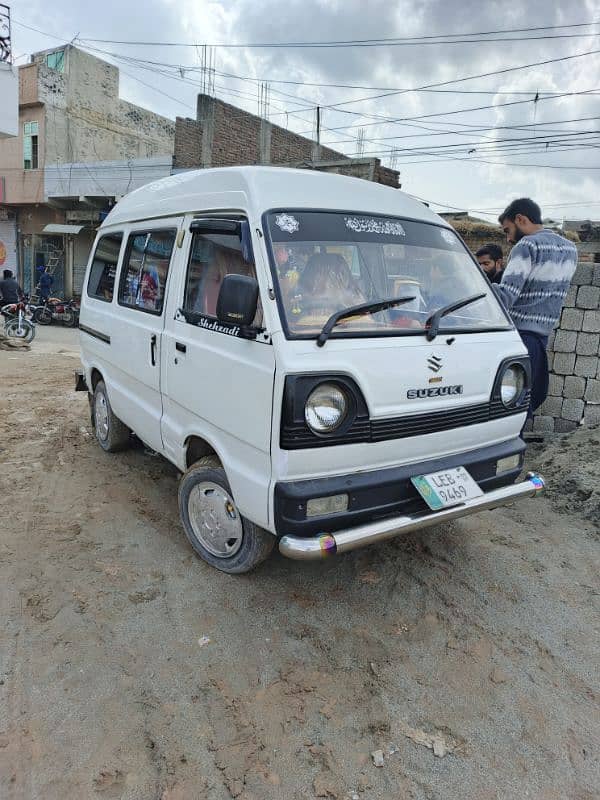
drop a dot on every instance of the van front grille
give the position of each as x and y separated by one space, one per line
296 437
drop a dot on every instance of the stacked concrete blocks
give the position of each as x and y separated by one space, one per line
574 358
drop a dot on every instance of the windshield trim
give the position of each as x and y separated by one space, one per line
366 334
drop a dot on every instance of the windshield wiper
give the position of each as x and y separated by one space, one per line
432 325
358 311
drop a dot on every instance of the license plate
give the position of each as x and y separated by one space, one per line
451 487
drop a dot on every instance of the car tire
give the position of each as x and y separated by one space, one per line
111 433
219 534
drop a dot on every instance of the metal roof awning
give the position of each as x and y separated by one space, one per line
63 228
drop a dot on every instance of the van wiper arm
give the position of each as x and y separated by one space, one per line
432 325
358 311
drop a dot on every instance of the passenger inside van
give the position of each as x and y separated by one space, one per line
326 285
205 279
443 283
209 284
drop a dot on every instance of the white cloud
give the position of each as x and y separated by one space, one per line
472 185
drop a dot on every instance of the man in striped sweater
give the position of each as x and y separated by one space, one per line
534 284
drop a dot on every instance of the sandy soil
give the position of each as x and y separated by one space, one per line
468 655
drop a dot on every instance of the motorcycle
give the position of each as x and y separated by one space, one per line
56 310
16 325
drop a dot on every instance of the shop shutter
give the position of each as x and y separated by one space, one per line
8 246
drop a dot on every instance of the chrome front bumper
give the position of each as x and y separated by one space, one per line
325 544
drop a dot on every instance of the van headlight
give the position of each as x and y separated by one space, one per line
326 408
512 385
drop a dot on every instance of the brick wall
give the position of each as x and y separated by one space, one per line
574 358
188 143
224 136
236 138
367 169
387 176
288 146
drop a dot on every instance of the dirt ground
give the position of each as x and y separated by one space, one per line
467 654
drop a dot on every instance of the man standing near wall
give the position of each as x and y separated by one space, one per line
491 261
534 284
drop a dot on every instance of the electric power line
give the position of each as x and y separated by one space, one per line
352 42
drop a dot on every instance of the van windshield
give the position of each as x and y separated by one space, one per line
325 262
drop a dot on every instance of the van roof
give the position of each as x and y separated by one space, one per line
255 189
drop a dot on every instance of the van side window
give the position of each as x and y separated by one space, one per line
145 270
212 256
104 267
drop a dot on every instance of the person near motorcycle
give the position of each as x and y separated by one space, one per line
45 283
10 291
12 308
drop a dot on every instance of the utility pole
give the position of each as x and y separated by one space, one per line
318 125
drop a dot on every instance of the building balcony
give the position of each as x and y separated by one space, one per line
28 85
21 186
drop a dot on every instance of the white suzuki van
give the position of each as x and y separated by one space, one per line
320 356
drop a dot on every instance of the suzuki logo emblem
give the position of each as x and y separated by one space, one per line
434 363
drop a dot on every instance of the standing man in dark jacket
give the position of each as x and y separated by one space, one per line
534 284
10 291
45 283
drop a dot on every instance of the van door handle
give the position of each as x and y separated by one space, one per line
153 349
181 347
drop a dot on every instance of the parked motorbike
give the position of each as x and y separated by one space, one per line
16 325
56 310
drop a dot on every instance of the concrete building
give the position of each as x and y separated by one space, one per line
9 108
223 135
79 148
9 126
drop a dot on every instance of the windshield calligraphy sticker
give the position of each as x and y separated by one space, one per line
374 225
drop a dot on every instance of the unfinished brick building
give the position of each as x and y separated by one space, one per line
223 135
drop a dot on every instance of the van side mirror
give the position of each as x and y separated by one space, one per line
238 300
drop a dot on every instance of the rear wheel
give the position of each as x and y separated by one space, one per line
20 329
75 321
111 433
42 316
69 319
213 525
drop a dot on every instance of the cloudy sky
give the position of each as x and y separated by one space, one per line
459 145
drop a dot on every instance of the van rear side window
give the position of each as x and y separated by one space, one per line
101 282
145 270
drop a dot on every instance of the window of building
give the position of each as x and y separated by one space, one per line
104 267
213 256
145 270
56 60
30 145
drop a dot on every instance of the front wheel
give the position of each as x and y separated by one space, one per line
20 329
213 525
